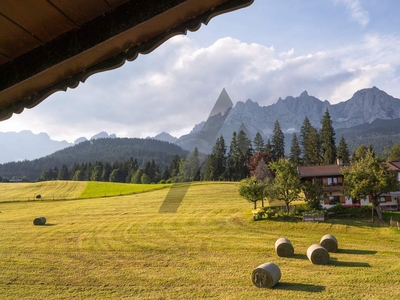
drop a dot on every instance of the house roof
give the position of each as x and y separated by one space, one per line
393 165
318 171
52 45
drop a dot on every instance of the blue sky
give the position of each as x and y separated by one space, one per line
271 49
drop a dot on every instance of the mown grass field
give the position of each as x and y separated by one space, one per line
123 248
62 190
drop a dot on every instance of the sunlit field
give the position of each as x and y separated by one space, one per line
62 190
123 248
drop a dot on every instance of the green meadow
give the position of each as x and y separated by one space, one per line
122 247
62 190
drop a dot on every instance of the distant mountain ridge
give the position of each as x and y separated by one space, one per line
364 107
26 145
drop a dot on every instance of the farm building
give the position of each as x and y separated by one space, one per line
332 180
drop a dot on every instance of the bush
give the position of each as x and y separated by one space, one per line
360 211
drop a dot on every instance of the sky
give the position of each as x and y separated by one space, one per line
268 50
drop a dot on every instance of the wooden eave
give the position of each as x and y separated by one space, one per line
52 45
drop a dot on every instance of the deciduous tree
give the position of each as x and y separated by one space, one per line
286 185
368 177
252 190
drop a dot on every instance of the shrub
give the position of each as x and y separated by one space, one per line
360 211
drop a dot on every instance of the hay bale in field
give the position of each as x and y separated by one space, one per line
329 242
266 275
284 247
318 255
39 221
38 196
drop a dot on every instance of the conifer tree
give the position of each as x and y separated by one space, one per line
63 174
258 143
216 163
245 152
295 151
313 149
327 138
304 134
343 151
233 160
278 142
268 148
97 171
107 169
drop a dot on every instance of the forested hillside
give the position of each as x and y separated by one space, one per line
104 150
380 134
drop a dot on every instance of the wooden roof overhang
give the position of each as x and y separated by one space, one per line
52 45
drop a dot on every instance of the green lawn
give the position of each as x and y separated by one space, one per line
62 190
123 248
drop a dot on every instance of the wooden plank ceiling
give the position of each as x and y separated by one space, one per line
52 45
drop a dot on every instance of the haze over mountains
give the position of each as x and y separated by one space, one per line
26 145
369 113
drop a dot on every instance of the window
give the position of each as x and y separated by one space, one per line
332 181
334 199
382 199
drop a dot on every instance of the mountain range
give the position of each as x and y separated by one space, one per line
365 107
26 145
370 116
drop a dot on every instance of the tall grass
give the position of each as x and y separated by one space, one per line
122 248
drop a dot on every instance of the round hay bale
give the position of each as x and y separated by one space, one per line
284 247
318 255
329 242
38 196
39 221
266 275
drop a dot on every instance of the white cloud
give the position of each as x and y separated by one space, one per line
287 53
357 12
176 86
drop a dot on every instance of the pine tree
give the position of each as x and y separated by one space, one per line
258 143
278 142
63 174
313 148
97 171
304 134
343 151
190 167
268 148
174 166
215 168
107 169
245 153
327 138
295 151
233 159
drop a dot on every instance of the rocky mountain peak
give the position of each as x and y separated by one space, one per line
223 104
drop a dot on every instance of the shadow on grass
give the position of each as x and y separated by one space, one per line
174 198
353 264
301 287
355 251
300 256
48 224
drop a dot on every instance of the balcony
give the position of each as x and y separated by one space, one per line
333 187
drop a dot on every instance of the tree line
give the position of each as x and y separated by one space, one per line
241 159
